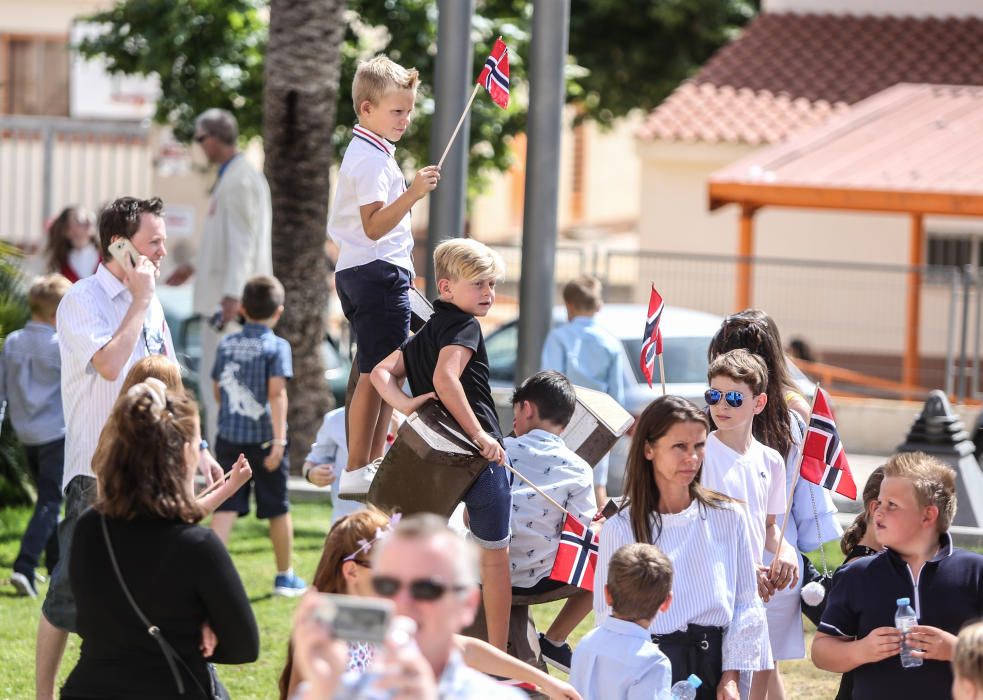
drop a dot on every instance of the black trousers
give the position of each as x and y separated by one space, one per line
697 650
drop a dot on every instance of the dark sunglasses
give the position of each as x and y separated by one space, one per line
713 396
423 589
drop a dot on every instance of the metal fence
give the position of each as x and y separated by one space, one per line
852 314
47 163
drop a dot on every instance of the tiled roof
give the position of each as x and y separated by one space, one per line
788 71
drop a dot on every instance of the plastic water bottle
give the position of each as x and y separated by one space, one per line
685 690
904 620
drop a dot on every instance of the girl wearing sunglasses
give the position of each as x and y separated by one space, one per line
716 621
345 567
781 426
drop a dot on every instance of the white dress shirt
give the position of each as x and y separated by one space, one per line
618 661
369 174
546 461
713 583
331 447
88 316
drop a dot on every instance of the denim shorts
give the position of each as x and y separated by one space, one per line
375 299
489 503
59 603
271 486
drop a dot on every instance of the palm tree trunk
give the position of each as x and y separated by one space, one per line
303 65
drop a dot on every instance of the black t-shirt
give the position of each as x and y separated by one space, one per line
451 326
863 598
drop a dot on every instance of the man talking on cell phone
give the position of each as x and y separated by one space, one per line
105 323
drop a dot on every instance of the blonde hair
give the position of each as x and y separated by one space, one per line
467 259
377 76
934 482
157 367
45 294
583 293
967 660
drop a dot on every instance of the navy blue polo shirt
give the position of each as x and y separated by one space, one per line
947 595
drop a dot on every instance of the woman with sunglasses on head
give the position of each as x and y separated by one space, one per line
781 426
715 624
140 562
345 568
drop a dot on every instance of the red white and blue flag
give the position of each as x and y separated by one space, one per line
576 556
823 460
652 340
495 75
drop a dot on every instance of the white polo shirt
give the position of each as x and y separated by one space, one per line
88 316
368 174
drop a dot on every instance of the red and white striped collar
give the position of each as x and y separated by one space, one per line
361 133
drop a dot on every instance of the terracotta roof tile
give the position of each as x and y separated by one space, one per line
789 71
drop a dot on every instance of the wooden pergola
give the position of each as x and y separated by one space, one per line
911 149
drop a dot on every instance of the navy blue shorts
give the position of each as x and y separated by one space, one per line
271 486
375 299
489 502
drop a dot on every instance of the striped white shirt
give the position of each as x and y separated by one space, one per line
88 317
714 582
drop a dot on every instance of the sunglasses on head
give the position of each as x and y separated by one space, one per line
421 589
713 396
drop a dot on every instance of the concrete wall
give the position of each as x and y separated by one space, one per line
914 8
47 17
835 309
875 426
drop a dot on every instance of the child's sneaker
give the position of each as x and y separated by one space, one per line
23 584
289 585
559 656
354 485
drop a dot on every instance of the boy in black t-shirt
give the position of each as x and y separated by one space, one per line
447 360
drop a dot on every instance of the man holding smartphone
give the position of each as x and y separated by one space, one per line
105 323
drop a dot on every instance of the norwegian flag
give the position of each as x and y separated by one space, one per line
576 557
652 340
495 75
823 459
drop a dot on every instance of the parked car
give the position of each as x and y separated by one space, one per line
185 328
686 334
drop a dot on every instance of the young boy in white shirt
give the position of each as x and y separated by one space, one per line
617 660
370 222
737 465
542 406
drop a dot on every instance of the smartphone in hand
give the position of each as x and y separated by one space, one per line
123 246
354 619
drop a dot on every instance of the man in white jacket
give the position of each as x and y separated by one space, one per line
235 243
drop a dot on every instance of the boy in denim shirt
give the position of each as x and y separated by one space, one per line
250 374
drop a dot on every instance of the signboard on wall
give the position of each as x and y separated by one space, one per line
97 94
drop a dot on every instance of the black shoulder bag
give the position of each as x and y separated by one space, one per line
217 691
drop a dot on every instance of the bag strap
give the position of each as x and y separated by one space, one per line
170 655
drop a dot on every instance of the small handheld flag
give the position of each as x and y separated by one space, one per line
495 78
495 75
576 556
652 340
823 460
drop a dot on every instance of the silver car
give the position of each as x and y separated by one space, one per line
686 337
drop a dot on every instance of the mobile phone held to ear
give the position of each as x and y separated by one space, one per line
121 247
354 619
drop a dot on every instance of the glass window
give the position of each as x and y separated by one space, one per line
685 359
502 348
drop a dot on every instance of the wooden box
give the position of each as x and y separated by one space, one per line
430 466
597 423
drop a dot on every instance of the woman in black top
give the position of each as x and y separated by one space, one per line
858 541
178 573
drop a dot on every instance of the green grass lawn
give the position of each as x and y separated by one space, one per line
254 558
